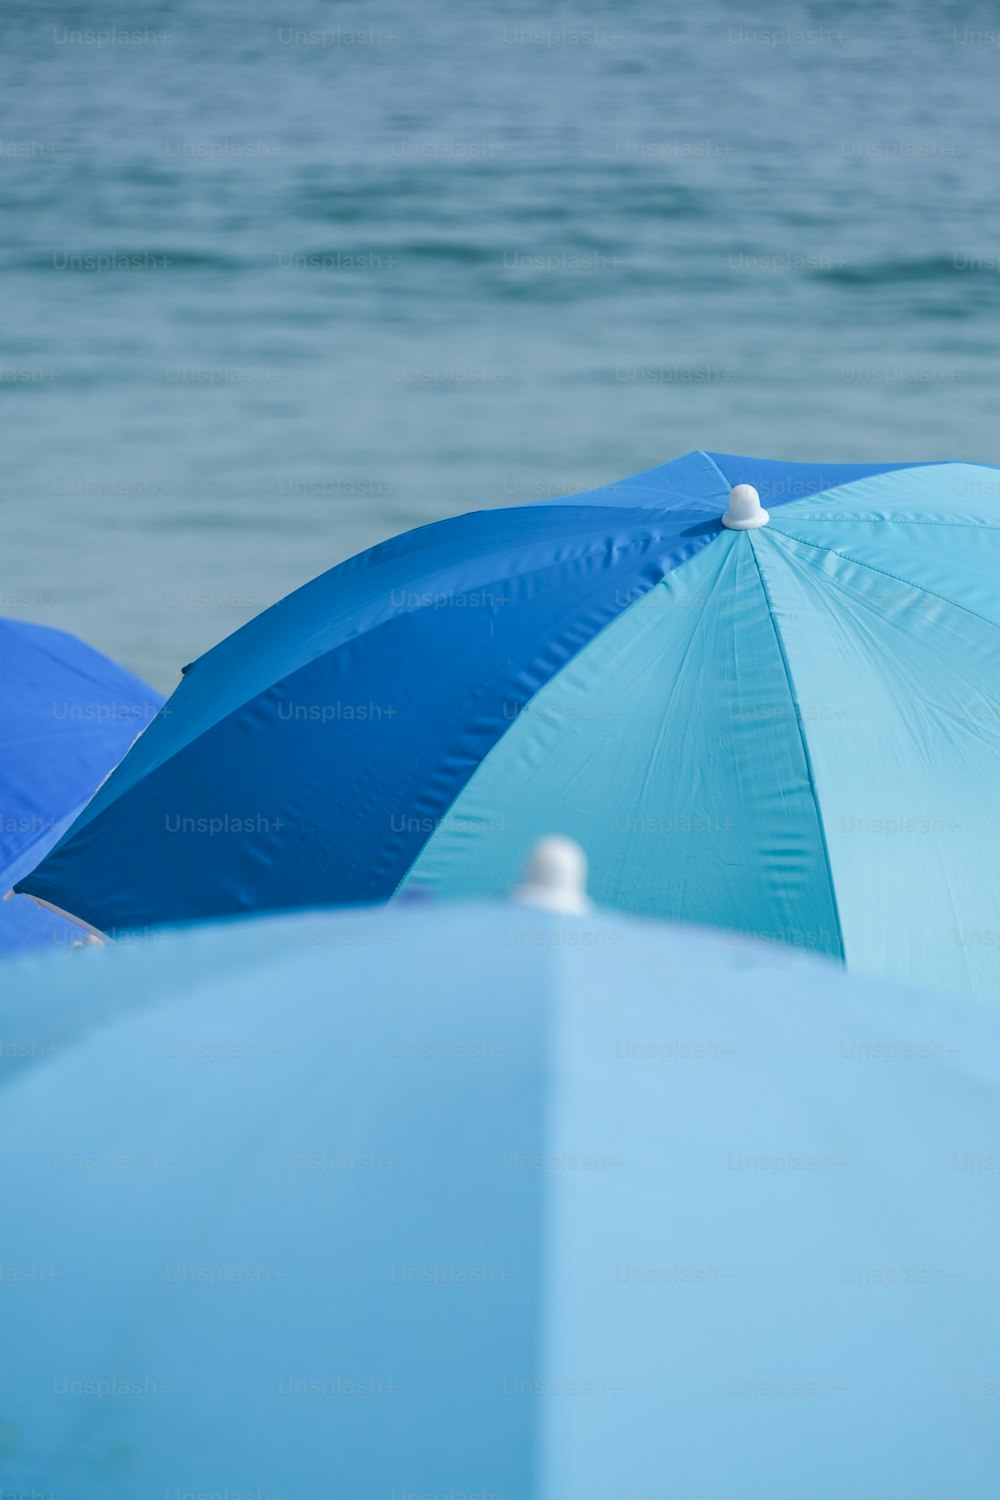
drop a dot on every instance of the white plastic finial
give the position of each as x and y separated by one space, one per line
556 878
745 511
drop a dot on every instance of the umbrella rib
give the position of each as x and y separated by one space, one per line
803 741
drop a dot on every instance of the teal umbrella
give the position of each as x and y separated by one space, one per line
760 695
493 1200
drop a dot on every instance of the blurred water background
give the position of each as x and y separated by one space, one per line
282 280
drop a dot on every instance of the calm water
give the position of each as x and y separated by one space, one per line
279 281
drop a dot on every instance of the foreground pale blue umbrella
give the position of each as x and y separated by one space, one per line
492 1201
67 716
781 718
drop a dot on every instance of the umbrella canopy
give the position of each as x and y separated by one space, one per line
493 1201
67 716
790 728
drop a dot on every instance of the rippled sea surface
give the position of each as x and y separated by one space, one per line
279 281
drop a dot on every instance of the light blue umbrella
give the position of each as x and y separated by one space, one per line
485 1201
67 716
780 718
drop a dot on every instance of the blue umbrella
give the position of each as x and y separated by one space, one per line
493 1201
67 716
782 718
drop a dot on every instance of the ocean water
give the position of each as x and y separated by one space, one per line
282 280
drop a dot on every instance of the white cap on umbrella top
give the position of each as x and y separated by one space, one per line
555 878
745 511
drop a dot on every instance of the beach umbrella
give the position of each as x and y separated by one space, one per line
761 695
492 1200
67 716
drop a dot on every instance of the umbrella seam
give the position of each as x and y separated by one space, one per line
804 743
715 466
895 521
881 572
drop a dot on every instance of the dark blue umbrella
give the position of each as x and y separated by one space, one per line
67 716
779 717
